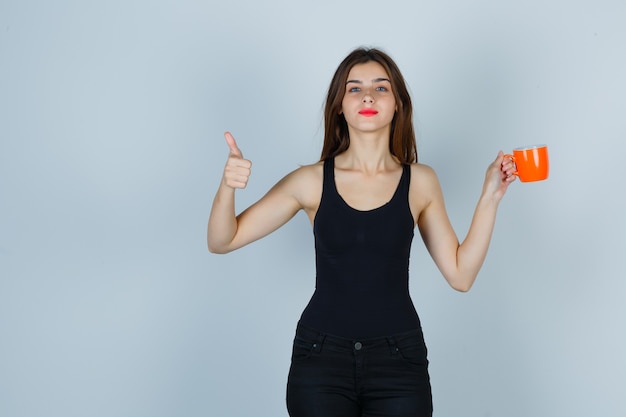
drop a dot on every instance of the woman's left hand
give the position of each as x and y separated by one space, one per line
500 174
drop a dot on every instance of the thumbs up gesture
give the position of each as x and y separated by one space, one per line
237 170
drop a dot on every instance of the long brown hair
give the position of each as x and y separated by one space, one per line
402 136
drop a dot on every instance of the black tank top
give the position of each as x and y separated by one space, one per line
362 261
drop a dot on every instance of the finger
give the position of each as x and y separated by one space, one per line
235 183
232 144
499 158
237 179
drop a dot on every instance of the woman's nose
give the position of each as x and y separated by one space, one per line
368 98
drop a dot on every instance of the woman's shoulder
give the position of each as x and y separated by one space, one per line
303 178
306 173
420 171
424 179
424 187
305 183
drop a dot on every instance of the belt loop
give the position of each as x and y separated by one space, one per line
392 346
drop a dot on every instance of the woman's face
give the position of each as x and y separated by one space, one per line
368 103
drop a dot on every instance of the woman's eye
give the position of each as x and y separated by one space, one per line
381 88
354 90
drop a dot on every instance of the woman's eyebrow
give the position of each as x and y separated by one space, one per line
375 80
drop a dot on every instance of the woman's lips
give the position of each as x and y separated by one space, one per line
368 112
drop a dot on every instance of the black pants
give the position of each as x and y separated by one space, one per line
332 376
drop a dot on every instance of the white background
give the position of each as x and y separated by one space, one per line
111 123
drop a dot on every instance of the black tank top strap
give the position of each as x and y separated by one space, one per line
329 189
406 174
329 174
405 182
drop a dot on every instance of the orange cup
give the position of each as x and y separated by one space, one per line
531 162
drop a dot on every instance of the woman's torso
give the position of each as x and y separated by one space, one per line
362 261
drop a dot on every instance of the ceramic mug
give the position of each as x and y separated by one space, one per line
531 162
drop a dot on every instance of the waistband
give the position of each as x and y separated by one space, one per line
320 338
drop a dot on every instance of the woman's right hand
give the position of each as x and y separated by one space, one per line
237 169
228 231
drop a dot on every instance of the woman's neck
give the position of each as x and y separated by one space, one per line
367 156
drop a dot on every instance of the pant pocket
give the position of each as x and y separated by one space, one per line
302 349
413 350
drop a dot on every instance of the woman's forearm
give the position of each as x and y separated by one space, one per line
222 220
472 252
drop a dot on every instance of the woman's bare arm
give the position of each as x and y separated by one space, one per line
227 231
460 262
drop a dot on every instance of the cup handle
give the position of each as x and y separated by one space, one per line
512 158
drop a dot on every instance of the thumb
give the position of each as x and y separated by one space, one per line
232 144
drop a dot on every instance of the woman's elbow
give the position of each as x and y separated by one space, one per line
462 284
461 287
218 250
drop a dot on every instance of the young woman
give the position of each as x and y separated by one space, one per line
359 349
